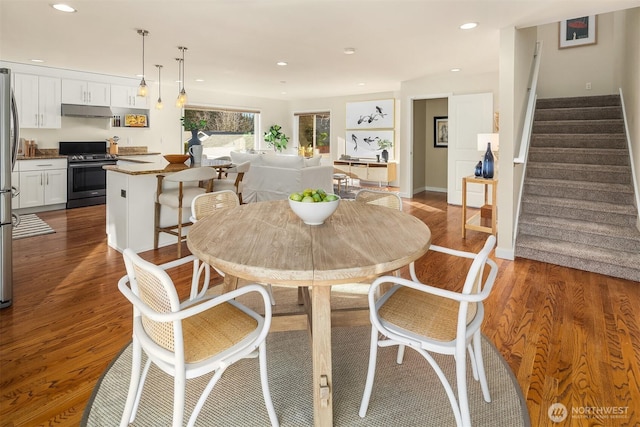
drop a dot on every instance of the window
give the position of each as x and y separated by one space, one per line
314 133
227 130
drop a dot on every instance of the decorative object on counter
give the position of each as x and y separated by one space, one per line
276 139
113 144
195 151
478 170
182 96
142 89
159 104
194 125
176 158
488 164
30 148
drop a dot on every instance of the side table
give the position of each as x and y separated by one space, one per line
475 221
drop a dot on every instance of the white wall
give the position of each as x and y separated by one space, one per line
565 72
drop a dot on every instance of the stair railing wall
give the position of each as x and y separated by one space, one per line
527 128
633 170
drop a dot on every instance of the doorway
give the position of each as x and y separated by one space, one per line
430 170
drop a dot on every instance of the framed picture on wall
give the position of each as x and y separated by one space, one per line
577 32
441 131
369 143
377 114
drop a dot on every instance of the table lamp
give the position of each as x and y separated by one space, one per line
488 143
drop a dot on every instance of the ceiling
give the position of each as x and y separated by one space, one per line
233 45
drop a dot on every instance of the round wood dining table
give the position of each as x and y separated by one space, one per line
266 242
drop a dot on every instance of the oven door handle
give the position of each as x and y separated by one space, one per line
92 164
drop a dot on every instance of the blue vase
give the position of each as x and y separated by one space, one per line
478 171
487 163
193 141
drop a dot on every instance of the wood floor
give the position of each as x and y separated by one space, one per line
569 336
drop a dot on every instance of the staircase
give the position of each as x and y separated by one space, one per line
578 205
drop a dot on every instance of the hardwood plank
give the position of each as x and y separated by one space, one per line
569 336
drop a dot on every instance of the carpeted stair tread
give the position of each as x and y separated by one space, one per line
579 101
593 186
597 156
596 191
579 140
579 126
621 264
584 205
579 113
611 236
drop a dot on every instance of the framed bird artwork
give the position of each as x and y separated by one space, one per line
377 114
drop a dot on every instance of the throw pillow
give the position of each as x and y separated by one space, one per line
313 161
283 161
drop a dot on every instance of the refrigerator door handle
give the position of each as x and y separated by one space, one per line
16 219
16 130
14 192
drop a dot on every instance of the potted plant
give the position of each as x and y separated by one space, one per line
276 139
383 144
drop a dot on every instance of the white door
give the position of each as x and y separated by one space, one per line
469 115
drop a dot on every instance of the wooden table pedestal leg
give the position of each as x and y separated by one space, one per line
321 349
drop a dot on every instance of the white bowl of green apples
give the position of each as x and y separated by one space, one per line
313 207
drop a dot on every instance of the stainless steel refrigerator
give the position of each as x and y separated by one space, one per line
9 129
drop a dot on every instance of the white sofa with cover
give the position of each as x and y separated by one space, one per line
275 176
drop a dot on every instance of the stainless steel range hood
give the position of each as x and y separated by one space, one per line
73 110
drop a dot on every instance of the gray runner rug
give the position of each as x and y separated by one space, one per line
403 395
31 225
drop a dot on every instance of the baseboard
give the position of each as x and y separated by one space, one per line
506 253
434 189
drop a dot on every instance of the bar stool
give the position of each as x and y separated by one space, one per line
340 178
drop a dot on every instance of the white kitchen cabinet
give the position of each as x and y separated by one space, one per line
86 93
38 99
127 97
42 182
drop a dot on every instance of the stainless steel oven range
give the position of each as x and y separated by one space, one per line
86 180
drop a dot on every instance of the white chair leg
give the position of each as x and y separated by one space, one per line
205 393
179 391
400 355
199 267
271 298
136 360
472 359
264 379
371 372
477 343
461 375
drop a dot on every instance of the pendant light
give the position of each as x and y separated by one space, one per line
142 89
182 96
179 60
159 104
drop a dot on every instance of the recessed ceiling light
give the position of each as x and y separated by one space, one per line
283 93
455 70
37 60
199 80
349 50
63 8
281 63
361 84
468 25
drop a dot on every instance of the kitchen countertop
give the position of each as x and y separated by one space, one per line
146 168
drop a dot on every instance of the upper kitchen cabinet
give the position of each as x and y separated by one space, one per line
127 97
38 100
86 93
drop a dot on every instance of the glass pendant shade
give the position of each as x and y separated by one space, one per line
143 90
181 100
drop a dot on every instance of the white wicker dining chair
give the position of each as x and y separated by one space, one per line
189 340
432 319
202 206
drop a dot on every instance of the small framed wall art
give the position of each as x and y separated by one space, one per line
441 131
577 32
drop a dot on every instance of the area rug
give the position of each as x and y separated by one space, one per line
403 395
31 225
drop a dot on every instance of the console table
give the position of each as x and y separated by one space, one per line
367 170
475 221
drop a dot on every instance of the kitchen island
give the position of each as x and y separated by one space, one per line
131 189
